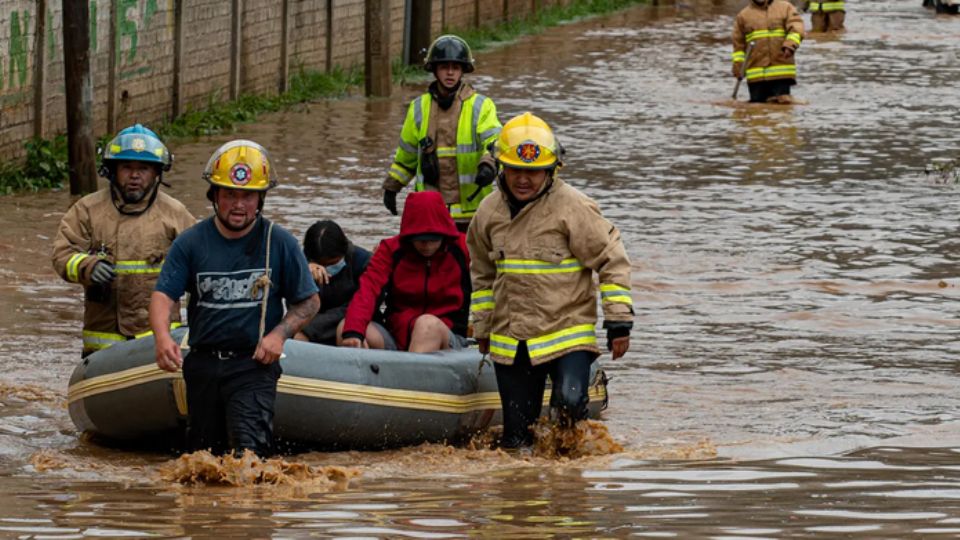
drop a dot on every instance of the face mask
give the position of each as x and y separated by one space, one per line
335 269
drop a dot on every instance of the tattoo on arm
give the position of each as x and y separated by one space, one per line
298 315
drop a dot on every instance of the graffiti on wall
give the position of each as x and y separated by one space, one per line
133 18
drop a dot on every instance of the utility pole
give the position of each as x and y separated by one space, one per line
377 48
79 95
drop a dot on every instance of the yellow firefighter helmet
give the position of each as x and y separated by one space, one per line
527 142
240 164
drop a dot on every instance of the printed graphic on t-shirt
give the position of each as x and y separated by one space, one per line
229 290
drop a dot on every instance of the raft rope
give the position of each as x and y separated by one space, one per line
263 282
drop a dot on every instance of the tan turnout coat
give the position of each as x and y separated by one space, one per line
136 245
769 28
533 275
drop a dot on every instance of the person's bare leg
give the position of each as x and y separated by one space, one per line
429 335
374 338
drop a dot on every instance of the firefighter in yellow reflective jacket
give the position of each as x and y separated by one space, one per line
826 16
534 248
445 136
113 242
766 34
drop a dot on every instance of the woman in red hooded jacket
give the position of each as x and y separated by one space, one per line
423 276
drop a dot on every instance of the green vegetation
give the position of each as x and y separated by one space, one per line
46 160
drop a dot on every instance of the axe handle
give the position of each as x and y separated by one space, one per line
743 70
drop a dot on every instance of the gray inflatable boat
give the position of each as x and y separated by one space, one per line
328 397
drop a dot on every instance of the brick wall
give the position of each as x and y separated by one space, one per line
142 53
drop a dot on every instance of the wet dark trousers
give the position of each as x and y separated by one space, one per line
761 91
521 389
230 402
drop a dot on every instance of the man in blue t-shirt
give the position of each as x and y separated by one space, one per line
236 317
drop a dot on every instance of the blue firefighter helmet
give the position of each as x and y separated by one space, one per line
137 143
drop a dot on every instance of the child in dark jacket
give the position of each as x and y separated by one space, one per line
424 274
336 265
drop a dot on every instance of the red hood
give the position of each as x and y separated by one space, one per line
426 213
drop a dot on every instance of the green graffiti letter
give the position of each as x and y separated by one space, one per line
93 25
126 27
18 48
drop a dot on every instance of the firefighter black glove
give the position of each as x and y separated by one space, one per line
103 273
485 175
390 201
615 330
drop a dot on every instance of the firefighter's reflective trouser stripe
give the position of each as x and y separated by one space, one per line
582 334
827 6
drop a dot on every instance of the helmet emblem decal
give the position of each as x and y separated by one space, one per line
138 145
240 174
528 152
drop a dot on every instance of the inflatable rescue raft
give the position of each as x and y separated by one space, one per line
328 397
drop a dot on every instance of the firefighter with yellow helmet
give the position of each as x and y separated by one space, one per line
445 136
113 241
534 249
239 269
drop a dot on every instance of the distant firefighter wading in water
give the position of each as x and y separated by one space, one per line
445 136
534 249
113 242
766 34
239 269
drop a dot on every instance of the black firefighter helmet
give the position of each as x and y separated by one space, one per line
449 48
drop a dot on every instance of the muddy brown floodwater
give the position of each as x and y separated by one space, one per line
793 370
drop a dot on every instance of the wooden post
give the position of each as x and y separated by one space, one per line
377 48
476 13
506 10
176 99
421 17
284 82
235 48
39 66
79 95
111 68
329 36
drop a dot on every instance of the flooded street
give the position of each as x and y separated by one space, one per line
793 367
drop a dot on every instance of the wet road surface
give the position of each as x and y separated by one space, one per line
793 366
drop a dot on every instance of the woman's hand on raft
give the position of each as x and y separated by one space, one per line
168 353
356 343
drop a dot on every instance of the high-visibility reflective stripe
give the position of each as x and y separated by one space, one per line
73 266
102 340
503 345
477 109
456 212
400 174
738 56
446 152
406 147
763 34
137 267
827 6
794 37
615 293
772 71
482 300
533 266
493 132
418 112
583 334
